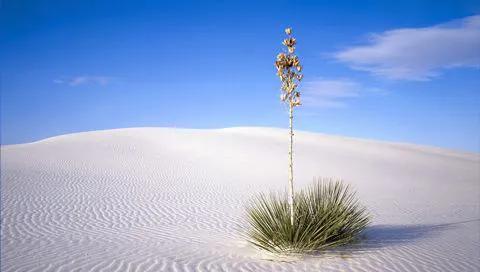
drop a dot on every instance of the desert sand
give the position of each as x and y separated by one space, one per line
164 199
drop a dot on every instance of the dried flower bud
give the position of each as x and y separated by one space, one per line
295 61
288 30
289 42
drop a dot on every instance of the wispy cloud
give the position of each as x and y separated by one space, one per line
333 93
418 53
83 80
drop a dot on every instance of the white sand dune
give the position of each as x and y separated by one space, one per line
160 199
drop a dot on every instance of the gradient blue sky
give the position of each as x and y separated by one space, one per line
404 71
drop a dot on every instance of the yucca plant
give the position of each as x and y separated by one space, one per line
327 214
289 71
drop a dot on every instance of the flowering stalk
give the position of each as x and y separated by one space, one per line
289 70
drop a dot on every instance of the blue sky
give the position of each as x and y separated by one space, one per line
405 71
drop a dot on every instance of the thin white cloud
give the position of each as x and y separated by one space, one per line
418 53
82 80
333 93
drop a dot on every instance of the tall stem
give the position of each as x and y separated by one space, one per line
290 165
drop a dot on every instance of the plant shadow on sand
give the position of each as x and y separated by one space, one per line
378 237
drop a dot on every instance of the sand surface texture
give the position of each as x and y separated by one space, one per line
160 199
